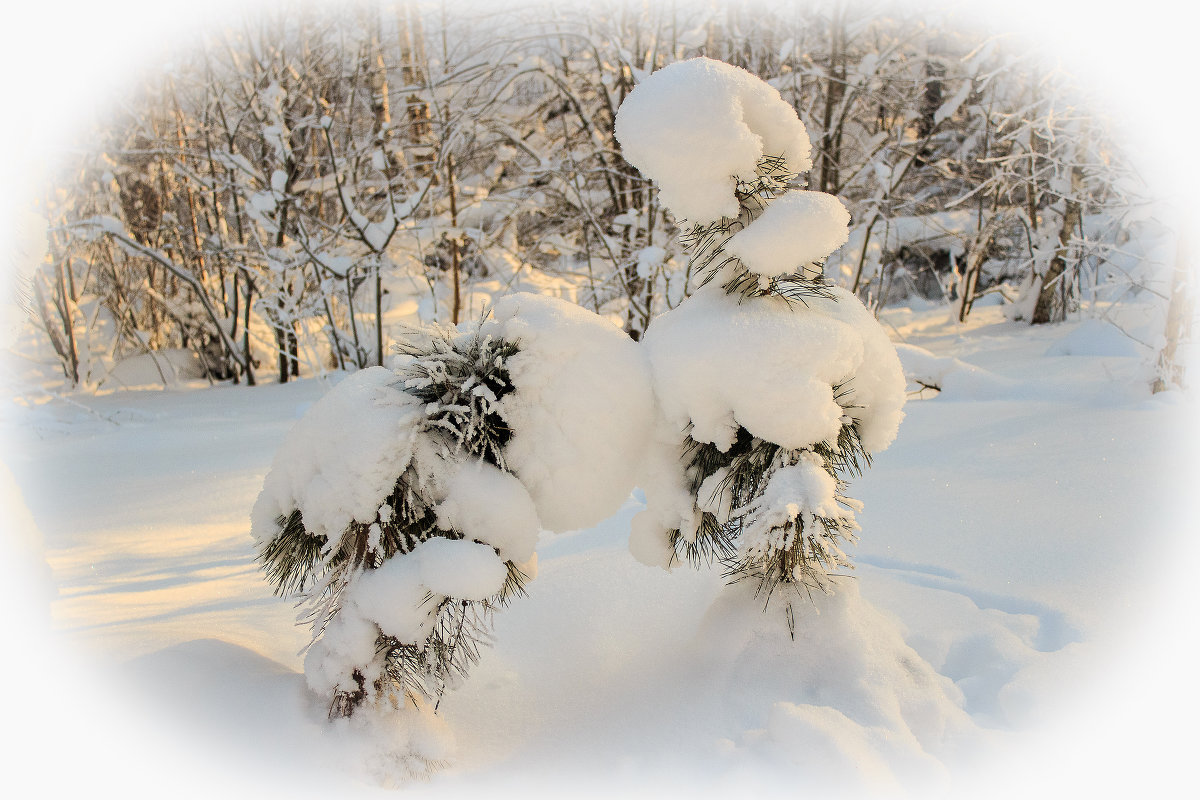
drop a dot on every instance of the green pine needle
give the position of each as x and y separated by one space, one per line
811 556
707 242
459 382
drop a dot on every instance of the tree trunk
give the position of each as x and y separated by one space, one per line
379 313
1055 291
294 350
68 316
1179 322
835 89
383 134
455 256
975 258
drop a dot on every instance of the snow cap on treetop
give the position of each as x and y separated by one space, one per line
694 126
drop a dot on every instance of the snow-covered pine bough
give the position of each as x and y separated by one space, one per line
405 506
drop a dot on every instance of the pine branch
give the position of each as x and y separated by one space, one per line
810 559
809 554
459 381
707 242
292 556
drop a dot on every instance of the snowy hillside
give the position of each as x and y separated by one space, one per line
1016 619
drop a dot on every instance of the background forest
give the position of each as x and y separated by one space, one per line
282 198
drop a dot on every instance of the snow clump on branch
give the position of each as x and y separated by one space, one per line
582 410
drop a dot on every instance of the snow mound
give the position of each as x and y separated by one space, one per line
169 367
25 571
951 376
229 705
340 460
1094 337
394 748
775 368
796 229
847 699
581 409
694 126
832 751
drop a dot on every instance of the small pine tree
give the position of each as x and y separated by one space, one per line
454 383
404 507
741 498
772 511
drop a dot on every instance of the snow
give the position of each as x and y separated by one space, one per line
349 639
491 506
26 549
649 259
1018 616
796 229
876 389
156 368
342 458
461 569
694 125
412 743
771 366
951 376
893 715
646 541
393 597
401 597
802 489
1095 337
581 410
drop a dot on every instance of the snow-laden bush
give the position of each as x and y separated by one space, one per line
774 386
405 506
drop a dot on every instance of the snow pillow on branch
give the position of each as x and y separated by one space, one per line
583 410
775 386
405 506
796 230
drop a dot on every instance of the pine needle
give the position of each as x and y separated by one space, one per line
459 381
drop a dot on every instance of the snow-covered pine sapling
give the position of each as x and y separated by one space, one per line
404 507
398 597
775 386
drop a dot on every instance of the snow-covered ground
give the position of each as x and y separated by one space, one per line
1019 616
